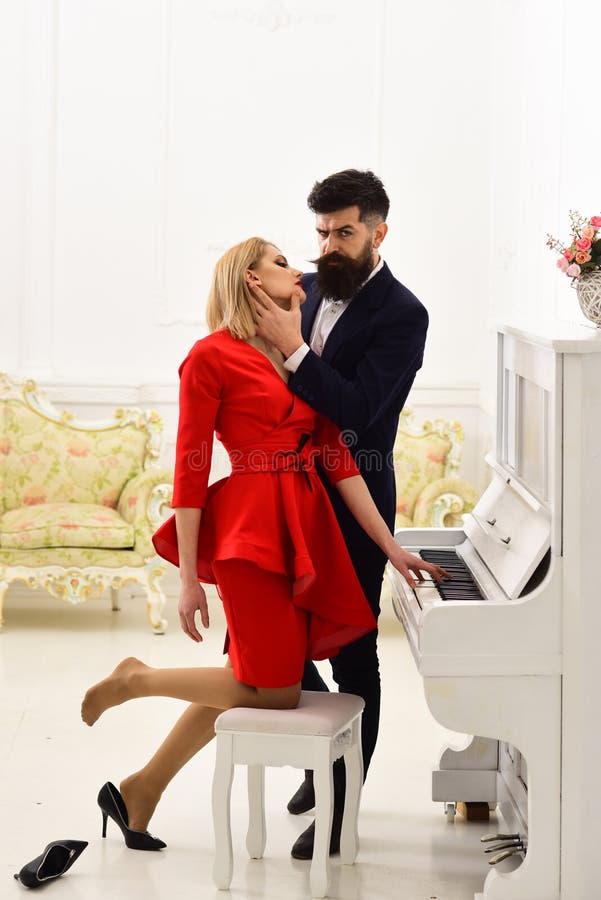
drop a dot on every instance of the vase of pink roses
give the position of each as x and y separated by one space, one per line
581 261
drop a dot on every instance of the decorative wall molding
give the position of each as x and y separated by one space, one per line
379 10
274 15
188 177
102 394
105 393
445 396
163 105
40 144
186 247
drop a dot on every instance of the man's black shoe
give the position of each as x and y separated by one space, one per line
303 846
304 799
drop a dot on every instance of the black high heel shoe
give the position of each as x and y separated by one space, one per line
111 803
52 863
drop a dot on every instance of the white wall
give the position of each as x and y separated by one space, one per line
140 138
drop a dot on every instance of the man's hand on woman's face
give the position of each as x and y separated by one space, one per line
281 327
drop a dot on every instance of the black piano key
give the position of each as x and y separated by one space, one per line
443 586
464 595
452 588
451 555
458 595
462 585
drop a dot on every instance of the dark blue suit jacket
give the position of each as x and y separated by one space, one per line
362 380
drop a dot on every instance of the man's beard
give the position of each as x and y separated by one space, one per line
342 281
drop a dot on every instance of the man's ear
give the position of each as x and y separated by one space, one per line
379 234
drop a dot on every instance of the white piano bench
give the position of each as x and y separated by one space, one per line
322 728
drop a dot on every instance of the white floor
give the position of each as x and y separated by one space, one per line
53 766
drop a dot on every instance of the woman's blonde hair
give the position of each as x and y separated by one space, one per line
230 300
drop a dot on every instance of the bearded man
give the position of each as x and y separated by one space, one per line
353 351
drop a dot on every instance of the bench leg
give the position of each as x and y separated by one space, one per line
222 790
323 780
256 835
353 761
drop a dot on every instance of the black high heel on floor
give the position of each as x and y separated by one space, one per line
111 803
52 863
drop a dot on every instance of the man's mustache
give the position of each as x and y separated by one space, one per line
333 257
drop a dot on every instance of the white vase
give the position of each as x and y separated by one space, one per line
588 289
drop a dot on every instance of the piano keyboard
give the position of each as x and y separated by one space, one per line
462 586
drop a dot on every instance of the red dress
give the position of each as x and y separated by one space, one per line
272 511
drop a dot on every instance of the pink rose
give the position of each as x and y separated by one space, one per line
573 271
588 232
569 255
596 221
562 264
583 243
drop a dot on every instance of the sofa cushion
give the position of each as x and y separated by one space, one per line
64 525
70 557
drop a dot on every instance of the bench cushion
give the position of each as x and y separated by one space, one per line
317 713
65 525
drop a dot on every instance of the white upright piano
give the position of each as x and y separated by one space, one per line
511 649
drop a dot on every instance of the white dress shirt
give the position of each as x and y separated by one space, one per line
327 315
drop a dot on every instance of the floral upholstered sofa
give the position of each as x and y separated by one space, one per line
79 501
426 460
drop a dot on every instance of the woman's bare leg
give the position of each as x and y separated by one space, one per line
213 687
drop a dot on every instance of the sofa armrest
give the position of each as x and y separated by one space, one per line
443 502
142 503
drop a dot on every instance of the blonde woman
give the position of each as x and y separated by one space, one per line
266 535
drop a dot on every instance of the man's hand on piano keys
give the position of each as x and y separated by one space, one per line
407 563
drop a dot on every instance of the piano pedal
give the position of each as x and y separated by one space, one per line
504 855
474 812
503 846
499 837
516 845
